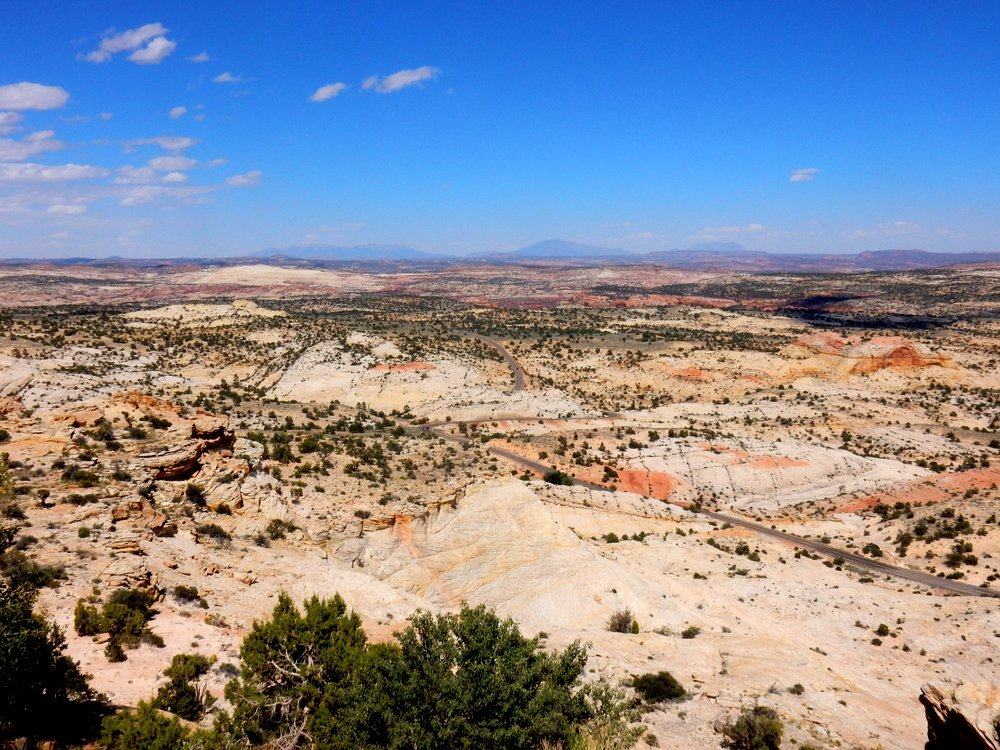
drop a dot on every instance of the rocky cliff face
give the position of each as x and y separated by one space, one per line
963 718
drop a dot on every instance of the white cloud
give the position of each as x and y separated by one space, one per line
729 232
166 142
9 122
175 177
400 79
25 95
200 57
803 175
227 77
63 209
733 230
139 195
132 39
217 163
176 112
105 116
888 229
29 172
35 143
327 92
174 163
148 193
247 179
153 53
129 175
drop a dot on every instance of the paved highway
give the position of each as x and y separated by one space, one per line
855 559
515 366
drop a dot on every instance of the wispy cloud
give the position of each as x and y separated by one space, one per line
25 95
327 92
803 175
153 53
888 229
247 179
177 112
129 175
148 193
166 142
173 163
29 172
64 209
148 42
10 122
227 77
400 79
728 232
35 143
201 57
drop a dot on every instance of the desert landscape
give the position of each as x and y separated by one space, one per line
782 488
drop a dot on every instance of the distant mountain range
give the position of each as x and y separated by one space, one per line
709 256
731 256
350 253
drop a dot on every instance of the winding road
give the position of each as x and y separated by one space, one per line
855 559
515 366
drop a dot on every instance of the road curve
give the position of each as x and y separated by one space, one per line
860 561
515 366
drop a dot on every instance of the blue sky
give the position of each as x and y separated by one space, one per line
466 127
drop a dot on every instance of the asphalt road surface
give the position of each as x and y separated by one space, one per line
853 558
858 561
515 366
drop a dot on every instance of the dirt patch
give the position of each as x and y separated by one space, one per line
934 490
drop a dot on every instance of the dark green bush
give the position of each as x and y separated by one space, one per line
146 728
757 728
37 680
182 695
657 687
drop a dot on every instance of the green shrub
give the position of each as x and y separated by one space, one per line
462 680
37 680
182 695
554 476
213 531
656 687
277 528
690 631
146 728
87 620
757 728
621 621
124 617
194 493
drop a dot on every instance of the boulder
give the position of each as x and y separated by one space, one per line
10 405
178 462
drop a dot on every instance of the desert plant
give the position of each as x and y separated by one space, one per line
657 687
621 621
146 728
756 728
182 695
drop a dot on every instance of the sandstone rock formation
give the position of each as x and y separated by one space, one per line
965 718
831 354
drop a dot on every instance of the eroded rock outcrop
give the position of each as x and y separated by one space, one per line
835 355
961 718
